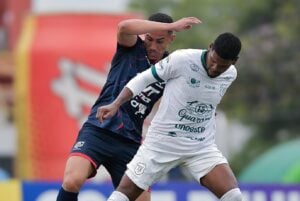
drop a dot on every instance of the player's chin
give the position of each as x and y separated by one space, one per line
153 59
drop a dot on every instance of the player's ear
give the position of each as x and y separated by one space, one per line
211 46
173 36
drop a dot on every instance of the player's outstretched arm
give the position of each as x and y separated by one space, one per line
129 29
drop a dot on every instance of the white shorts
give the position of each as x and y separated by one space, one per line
154 159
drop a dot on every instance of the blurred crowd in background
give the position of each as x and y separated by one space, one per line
7 128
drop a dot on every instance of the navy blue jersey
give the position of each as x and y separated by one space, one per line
128 122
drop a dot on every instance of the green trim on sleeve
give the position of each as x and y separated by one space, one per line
155 75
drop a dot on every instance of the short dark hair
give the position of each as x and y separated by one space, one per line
227 46
161 17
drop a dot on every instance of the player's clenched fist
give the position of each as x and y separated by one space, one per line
106 111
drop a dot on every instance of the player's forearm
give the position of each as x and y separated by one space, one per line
134 87
137 26
125 95
141 81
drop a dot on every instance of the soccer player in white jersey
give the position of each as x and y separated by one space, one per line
183 129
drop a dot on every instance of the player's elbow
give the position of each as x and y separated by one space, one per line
124 27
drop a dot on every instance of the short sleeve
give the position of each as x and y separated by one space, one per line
169 67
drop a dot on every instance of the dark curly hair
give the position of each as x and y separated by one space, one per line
227 46
161 17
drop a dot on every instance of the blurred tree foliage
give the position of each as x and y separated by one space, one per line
266 95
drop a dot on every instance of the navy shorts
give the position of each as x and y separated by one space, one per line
102 147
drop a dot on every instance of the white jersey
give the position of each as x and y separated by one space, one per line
188 105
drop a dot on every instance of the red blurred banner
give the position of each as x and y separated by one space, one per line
14 12
62 62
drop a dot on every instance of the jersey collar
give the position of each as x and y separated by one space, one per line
203 60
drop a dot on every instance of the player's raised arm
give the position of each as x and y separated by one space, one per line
129 29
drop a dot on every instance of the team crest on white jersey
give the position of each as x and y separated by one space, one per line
194 67
140 168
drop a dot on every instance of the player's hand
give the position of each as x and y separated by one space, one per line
185 23
105 112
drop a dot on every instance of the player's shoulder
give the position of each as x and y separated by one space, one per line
232 70
137 47
230 74
187 53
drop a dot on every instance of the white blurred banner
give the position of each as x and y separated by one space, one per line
93 6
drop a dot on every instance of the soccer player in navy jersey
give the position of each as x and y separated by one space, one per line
114 142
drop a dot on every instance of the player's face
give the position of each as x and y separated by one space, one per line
217 65
156 44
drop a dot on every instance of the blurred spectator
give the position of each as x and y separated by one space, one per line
2 29
3 175
7 127
2 39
